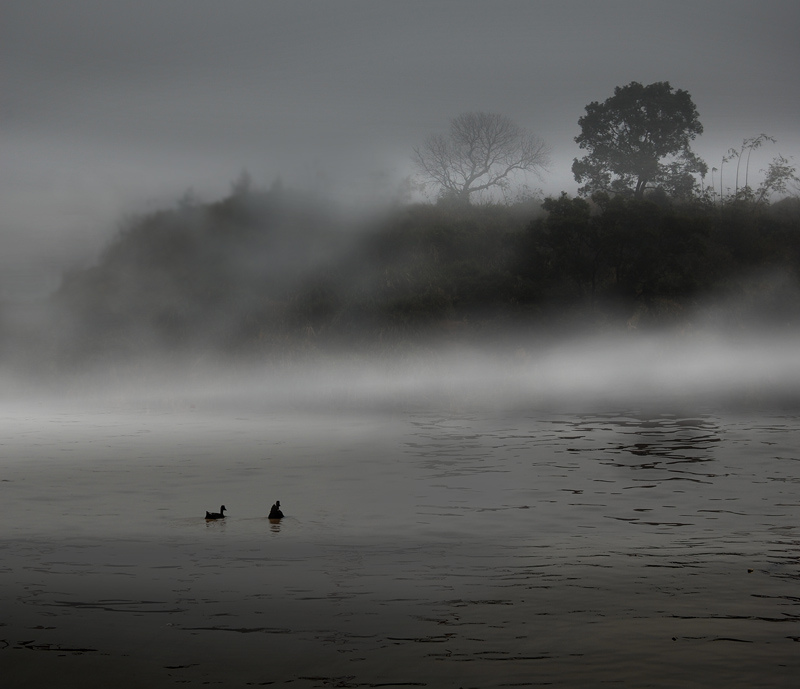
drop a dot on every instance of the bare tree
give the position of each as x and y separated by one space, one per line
482 151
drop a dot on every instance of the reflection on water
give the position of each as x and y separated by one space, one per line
418 548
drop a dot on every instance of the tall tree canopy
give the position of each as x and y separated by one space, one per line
482 151
639 139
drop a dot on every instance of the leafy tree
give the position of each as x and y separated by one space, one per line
481 152
639 139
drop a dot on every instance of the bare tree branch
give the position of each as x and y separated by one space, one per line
482 151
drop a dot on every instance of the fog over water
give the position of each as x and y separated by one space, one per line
469 524
560 510
576 373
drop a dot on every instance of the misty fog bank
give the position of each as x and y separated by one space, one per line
666 372
456 303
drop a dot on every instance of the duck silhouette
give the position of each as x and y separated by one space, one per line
216 515
275 511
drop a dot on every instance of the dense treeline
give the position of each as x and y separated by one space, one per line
273 274
659 261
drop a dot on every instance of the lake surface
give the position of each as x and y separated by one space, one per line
446 546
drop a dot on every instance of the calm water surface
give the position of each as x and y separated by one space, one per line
420 548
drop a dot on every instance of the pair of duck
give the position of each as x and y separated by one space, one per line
274 512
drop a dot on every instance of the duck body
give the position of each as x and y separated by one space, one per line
217 515
275 511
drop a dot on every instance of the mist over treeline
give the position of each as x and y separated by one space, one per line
276 275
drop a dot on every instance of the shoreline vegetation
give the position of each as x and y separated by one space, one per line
271 275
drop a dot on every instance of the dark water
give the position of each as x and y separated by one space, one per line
420 548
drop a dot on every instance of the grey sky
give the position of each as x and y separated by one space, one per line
109 107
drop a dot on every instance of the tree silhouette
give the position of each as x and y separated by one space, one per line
482 151
639 139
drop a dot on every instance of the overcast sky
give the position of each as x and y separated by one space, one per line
109 107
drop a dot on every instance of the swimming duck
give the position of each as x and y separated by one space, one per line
216 515
275 511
